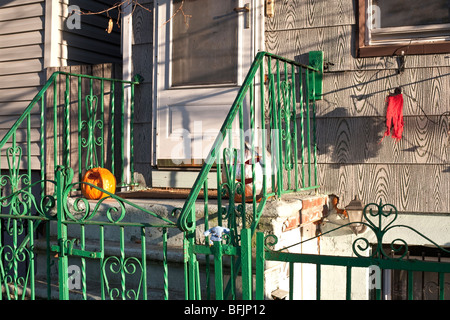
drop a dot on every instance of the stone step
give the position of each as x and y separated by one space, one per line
94 293
282 217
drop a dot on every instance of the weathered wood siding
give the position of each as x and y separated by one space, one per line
21 65
23 52
413 174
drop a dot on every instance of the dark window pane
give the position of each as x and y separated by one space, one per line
398 13
205 45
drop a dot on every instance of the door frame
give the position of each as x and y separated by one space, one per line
257 37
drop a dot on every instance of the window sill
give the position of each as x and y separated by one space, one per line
408 49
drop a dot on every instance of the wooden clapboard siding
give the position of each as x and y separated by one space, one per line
407 186
21 39
90 44
26 11
26 80
21 25
337 43
21 53
25 94
346 140
302 14
21 66
414 173
14 3
21 76
142 64
23 49
363 92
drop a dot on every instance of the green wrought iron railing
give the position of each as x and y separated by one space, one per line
76 121
124 273
99 248
266 147
286 127
43 216
269 131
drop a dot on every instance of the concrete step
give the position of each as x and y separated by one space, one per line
133 273
282 217
93 292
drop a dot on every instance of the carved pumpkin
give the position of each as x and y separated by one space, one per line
101 178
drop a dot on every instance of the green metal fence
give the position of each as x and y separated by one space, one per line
119 261
372 251
48 229
99 250
81 118
85 124
266 147
76 121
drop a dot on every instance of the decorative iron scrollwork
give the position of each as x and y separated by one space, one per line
10 258
270 241
90 125
379 219
122 267
231 186
287 116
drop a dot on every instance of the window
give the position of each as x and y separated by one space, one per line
396 27
205 47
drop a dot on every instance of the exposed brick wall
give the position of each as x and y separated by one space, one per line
313 209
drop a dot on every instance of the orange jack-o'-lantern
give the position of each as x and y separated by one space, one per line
101 178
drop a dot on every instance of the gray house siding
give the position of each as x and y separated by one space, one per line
413 174
21 65
90 44
27 28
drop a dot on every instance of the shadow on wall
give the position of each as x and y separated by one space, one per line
347 139
343 138
86 34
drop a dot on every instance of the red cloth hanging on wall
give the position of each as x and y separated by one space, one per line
394 116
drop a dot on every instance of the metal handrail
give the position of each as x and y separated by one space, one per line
285 97
39 101
41 93
186 220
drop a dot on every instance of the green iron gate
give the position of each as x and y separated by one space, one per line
120 250
99 251
377 250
